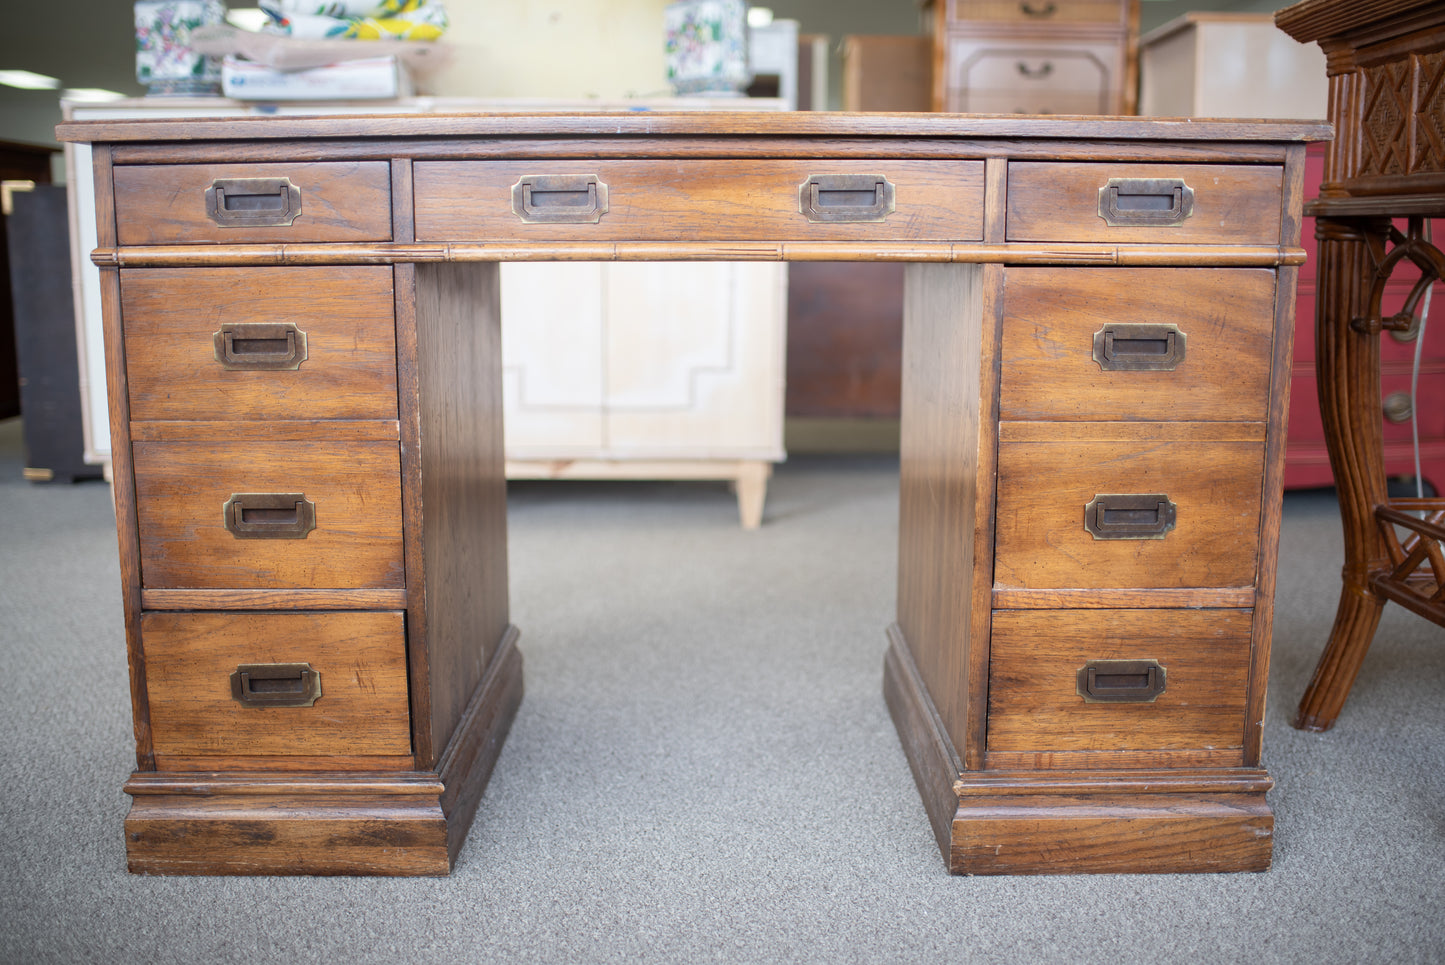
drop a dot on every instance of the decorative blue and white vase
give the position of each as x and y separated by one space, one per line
164 61
707 46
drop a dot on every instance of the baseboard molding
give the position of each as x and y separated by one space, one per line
300 823
1105 821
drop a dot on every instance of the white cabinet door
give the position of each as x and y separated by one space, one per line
694 360
552 359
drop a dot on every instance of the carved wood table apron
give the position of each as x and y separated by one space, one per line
302 348
1386 65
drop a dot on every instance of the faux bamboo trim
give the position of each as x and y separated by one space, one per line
1261 256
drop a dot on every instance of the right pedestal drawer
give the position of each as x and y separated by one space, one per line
1069 681
1131 466
1147 507
1131 437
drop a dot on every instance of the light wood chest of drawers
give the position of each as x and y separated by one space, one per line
302 335
1035 56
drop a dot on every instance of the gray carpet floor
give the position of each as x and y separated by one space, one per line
703 768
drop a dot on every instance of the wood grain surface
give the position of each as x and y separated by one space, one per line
643 133
1051 316
1103 833
1036 655
172 315
361 659
182 486
698 200
166 203
1060 202
1044 487
945 516
456 496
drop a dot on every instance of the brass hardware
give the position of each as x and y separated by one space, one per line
1130 516
560 199
269 515
1135 347
846 198
1047 10
268 346
1397 407
1146 202
1121 681
276 685
253 202
1045 70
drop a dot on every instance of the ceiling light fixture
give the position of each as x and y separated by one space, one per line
28 80
90 95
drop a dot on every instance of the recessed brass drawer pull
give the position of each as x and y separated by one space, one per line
1130 516
276 685
560 199
845 198
269 515
1121 681
1135 347
1146 202
265 346
253 202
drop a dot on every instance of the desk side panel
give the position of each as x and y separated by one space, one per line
946 483
459 612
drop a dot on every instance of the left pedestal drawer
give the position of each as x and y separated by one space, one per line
269 515
275 686
292 202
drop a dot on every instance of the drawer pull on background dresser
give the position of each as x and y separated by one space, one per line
1130 516
1044 70
269 515
253 202
267 346
560 199
1121 681
846 198
1047 10
1146 202
1135 347
276 685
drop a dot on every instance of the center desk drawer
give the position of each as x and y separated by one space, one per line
259 343
277 515
276 684
1152 344
725 200
1133 505
1215 204
169 204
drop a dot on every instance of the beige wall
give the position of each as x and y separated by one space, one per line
554 48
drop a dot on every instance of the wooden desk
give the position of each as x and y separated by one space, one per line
1386 66
301 325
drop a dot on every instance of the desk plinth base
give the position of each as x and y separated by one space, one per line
408 824
1075 822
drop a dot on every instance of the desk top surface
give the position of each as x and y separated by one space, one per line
724 124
